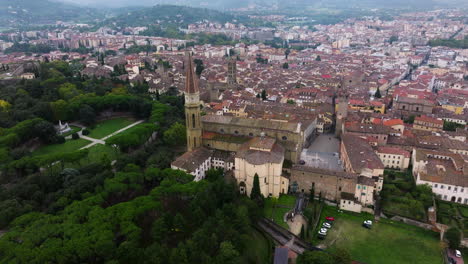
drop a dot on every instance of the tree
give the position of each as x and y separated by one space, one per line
45 131
87 115
59 109
377 93
285 65
393 39
318 58
228 253
255 193
290 101
176 135
312 194
453 236
258 95
75 136
451 126
315 257
264 95
341 256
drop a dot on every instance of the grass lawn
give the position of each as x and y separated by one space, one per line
275 209
387 242
108 127
464 252
131 130
259 250
288 200
74 129
68 146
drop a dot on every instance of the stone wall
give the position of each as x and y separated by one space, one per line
221 145
292 141
329 183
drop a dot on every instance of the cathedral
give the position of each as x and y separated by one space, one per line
243 147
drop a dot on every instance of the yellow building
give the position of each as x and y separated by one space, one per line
261 156
457 109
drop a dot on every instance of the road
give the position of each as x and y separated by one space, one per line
284 237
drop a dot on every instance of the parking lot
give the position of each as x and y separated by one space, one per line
387 242
323 153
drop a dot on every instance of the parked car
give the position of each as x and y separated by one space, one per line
326 225
367 224
302 162
322 233
458 253
323 230
329 218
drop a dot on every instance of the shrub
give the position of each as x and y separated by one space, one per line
85 132
59 140
75 136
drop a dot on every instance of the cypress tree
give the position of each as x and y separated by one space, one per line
377 93
255 193
264 95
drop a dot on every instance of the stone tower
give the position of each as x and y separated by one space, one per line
192 106
232 72
341 113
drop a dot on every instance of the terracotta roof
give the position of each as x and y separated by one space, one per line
394 151
428 119
190 161
360 154
259 157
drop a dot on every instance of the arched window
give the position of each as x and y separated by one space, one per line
221 130
193 120
251 134
236 132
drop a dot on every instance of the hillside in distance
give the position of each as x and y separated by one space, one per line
39 12
293 4
168 15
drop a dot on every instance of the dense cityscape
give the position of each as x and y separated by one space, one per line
254 134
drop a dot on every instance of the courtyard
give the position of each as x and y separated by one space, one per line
323 153
387 242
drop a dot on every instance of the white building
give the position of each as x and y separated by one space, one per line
394 158
196 162
445 172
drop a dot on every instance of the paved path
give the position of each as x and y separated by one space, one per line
122 130
102 141
296 224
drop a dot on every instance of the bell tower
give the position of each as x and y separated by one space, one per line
232 72
192 105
